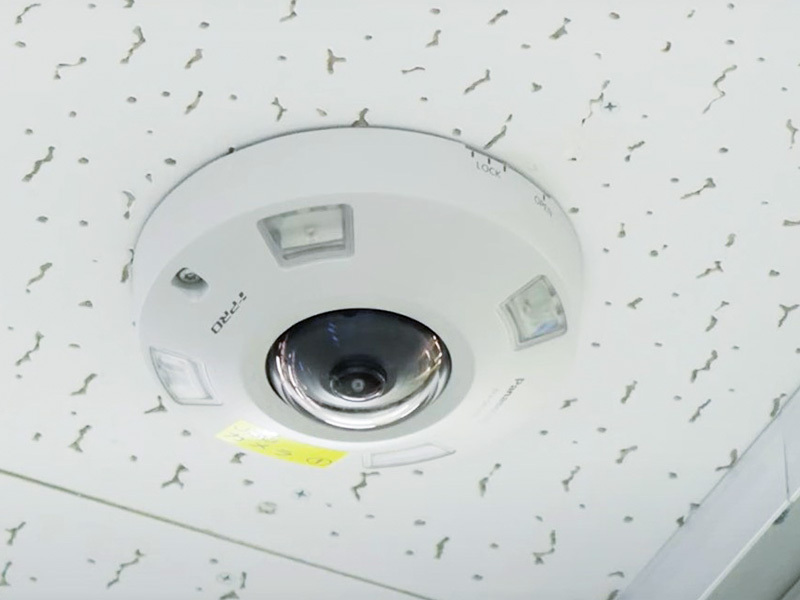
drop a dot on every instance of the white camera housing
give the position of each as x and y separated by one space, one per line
398 221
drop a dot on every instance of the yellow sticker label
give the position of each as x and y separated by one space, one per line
248 436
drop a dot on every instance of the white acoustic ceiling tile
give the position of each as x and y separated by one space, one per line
678 171
59 545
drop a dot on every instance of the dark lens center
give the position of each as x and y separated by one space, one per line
358 379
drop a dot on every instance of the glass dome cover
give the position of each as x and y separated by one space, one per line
358 368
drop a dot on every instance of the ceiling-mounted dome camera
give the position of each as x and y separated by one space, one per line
385 292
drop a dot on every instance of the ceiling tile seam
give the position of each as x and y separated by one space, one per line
791 591
786 468
207 532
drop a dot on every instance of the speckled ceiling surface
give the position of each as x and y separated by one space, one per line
666 130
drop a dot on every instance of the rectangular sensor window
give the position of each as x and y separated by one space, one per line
406 456
184 379
309 234
535 313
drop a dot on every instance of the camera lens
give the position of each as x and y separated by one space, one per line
358 368
358 379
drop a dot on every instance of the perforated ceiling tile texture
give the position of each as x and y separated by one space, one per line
667 131
72 550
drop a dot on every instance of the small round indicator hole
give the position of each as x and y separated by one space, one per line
190 283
